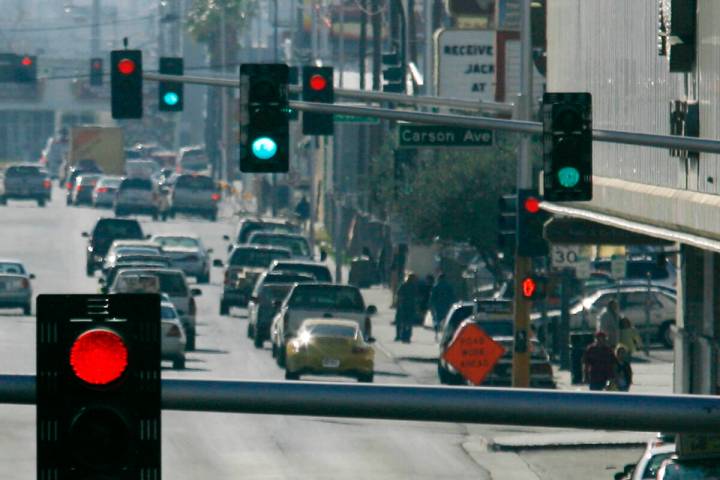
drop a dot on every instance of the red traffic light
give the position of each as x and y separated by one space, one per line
318 82
126 66
97 65
529 287
532 205
98 356
26 61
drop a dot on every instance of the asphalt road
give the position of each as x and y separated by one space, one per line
225 446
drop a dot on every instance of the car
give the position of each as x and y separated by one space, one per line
270 288
174 283
74 173
105 232
244 266
173 338
187 253
103 194
649 463
317 300
53 153
83 189
633 301
195 194
15 286
318 270
329 347
541 372
192 159
141 168
136 196
125 262
248 226
660 270
297 244
121 248
26 182
458 312
674 468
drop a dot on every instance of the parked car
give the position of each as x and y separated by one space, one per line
187 253
248 226
244 266
15 287
195 194
26 182
105 232
83 189
650 461
270 289
317 300
103 194
174 284
329 347
136 196
661 271
297 244
173 338
318 270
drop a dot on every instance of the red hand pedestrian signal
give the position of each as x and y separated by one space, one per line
529 287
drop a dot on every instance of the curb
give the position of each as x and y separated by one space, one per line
563 446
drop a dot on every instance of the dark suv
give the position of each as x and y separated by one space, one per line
106 231
26 182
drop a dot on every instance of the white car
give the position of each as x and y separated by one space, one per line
173 336
15 287
187 253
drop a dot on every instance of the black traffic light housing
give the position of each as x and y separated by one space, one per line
98 386
507 221
264 134
530 222
26 69
533 287
318 87
567 146
170 94
293 80
126 83
393 73
96 72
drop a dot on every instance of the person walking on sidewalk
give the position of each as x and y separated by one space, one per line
629 337
407 305
302 211
598 363
623 369
425 286
609 322
442 296
397 271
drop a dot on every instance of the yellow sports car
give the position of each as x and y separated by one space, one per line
329 347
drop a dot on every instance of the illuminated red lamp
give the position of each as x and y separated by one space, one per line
99 357
26 61
532 205
529 286
318 82
126 66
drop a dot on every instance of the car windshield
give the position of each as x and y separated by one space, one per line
194 182
319 272
109 182
327 297
22 171
256 257
297 245
11 267
172 284
136 184
118 229
137 251
274 292
329 330
182 242
167 312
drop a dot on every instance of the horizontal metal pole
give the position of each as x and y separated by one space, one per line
590 410
211 81
658 141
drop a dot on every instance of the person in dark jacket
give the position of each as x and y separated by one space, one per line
599 362
425 286
407 304
442 296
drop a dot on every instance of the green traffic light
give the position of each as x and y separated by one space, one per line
171 98
264 148
568 177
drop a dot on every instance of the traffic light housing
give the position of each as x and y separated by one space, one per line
170 94
567 147
530 223
393 73
533 287
294 80
26 69
126 84
96 72
507 221
264 134
318 87
98 386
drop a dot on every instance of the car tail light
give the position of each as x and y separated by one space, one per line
541 369
25 283
79 188
193 307
215 197
102 190
68 185
47 184
357 349
174 331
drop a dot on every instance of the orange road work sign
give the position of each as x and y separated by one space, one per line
473 353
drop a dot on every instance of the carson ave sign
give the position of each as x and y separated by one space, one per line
440 136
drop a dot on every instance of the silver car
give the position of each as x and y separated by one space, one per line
15 288
187 253
195 194
173 338
104 193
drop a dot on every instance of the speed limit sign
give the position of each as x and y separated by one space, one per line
565 256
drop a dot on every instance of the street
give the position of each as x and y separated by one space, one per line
226 446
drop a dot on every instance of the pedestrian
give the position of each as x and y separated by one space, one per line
397 271
598 362
442 296
609 322
382 265
425 285
629 337
302 211
623 369
407 304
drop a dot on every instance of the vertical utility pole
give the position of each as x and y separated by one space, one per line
523 265
376 44
223 101
429 10
95 30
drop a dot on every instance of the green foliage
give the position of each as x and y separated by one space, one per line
203 20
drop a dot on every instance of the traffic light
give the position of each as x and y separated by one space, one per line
318 87
567 146
530 223
96 72
293 79
98 386
507 221
264 136
393 73
170 94
26 69
126 83
533 287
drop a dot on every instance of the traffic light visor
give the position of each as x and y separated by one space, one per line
126 66
98 357
318 82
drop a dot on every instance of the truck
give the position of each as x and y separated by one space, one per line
102 146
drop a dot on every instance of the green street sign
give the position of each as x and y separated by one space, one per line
440 136
344 118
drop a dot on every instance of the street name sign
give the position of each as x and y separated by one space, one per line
465 64
441 136
473 353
